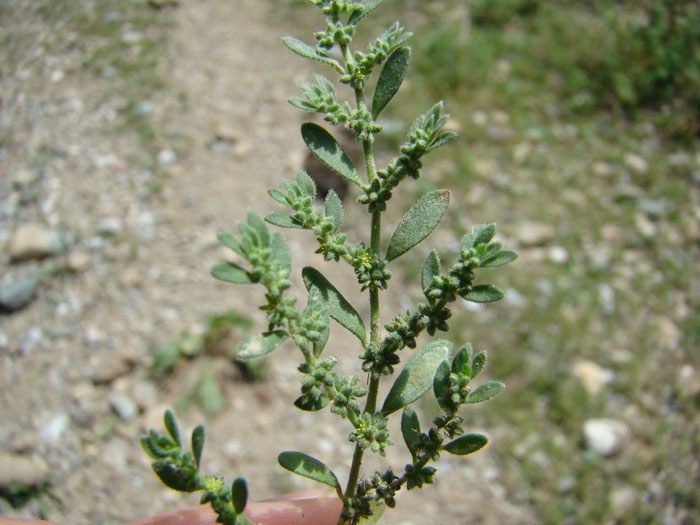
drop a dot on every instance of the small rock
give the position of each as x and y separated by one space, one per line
52 431
78 261
645 227
500 132
15 295
622 501
592 376
606 436
636 163
28 471
108 370
123 406
165 157
558 254
109 226
24 178
535 233
33 241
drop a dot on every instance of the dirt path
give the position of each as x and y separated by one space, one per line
84 344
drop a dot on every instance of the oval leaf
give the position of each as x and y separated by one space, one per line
282 220
466 444
334 209
305 50
171 426
175 478
410 428
338 307
430 269
308 467
484 293
239 495
259 345
306 184
482 233
418 223
390 79
499 259
460 363
416 378
441 385
485 392
311 405
231 273
367 8
324 146
280 254
478 364
197 444
230 241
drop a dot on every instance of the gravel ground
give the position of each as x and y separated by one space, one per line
111 268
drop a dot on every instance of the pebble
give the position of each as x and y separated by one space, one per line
558 254
607 437
34 241
109 369
592 376
645 227
52 431
15 295
534 233
24 178
78 261
165 157
21 469
109 226
622 501
123 406
636 163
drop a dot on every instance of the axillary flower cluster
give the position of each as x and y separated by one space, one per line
433 367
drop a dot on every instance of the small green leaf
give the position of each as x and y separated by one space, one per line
278 195
466 444
282 220
198 444
334 209
308 467
460 363
485 392
429 270
311 405
377 508
416 378
390 79
478 364
367 7
324 146
338 307
175 478
410 428
280 254
499 259
231 273
480 234
230 241
259 345
484 293
239 495
418 223
211 396
255 222
441 384
305 50
301 104
307 184
444 138
171 426
152 449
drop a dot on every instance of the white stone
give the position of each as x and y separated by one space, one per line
607 437
558 254
33 241
52 431
636 163
592 376
110 226
124 406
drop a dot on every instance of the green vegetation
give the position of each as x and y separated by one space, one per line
449 375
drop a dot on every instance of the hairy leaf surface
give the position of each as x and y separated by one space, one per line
324 146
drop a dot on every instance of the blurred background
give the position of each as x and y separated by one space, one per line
133 131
